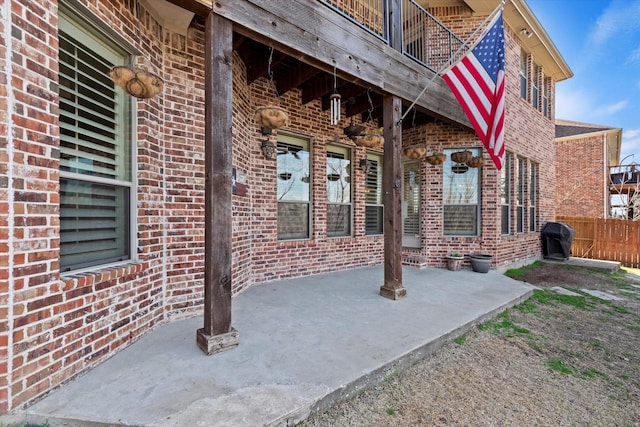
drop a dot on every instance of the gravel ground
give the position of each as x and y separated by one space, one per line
553 361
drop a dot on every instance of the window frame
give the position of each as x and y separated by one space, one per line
374 160
546 98
411 240
534 169
79 24
520 195
535 91
477 192
284 141
524 75
506 198
346 178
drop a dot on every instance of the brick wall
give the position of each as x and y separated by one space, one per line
273 259
6 220
28 201
54 327
580 177
528 134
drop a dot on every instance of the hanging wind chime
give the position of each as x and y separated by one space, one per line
334 102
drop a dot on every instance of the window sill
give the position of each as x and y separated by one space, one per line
104 274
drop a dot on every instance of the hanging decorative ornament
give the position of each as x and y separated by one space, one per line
136 80
271 116
334 102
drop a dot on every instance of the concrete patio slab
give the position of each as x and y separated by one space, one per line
305 343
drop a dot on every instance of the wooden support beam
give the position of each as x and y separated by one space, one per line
392 189
299 75
217 334
260 66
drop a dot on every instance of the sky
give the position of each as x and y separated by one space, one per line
600 41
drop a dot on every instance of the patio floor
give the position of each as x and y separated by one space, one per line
305 343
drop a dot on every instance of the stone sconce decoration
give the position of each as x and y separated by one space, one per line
415 152
475 162
136 81
271 117
461 156
436 158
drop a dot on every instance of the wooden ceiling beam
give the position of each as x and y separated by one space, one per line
300 74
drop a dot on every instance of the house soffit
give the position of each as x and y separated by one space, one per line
170 16
519 16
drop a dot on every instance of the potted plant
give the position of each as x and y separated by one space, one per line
271 116
436 158
480 263
454 261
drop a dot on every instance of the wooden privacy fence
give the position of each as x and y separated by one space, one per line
608 239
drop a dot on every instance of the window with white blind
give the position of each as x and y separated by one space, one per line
505 194
374 205
533 196
524 74
411 205
95 150
535 85
338 191
546 99
461 192
520 195
293 187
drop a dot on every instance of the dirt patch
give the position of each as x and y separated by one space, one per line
555 360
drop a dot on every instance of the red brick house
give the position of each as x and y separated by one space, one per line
108 200
585 154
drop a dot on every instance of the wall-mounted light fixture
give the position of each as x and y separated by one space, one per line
268 149
365 165
526 32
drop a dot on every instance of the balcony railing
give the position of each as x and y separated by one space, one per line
424 38
625 174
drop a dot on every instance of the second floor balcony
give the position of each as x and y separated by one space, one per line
624 179
424 39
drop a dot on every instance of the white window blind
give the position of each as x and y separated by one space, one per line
411 205
338 191
535 94
533 196
505 194
374 205
520 195
524 75
95 152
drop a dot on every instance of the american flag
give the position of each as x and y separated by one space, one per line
477 82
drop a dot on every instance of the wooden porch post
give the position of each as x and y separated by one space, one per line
217 334
392 188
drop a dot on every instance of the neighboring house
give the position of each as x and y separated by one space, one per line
585 154
118 213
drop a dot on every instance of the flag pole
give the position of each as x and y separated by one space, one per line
453 55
